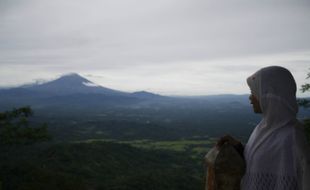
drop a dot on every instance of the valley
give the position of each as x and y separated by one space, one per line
108 139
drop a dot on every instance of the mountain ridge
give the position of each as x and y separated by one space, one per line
72 83
70 90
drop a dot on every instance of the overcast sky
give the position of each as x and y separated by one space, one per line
171 47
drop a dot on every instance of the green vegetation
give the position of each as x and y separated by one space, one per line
97 165
155 147
195 149
111 152
15 128
306 87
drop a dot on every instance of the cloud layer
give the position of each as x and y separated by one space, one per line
166 46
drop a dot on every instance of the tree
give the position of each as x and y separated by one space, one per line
15 128
306 103
306 87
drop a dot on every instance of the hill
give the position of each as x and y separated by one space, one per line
109 139
71 84
69 90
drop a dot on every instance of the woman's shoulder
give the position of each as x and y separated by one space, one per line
295 137
299 131
295 127
293 132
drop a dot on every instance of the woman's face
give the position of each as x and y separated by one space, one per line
255 103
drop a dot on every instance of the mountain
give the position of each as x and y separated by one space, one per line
72 84
71 90
145 94
74 92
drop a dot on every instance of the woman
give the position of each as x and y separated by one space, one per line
277 153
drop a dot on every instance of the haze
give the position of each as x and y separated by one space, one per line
171 47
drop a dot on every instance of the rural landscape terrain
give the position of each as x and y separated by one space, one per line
70 133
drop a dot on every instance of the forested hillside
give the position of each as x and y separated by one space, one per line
97 165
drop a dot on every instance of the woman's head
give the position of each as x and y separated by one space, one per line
274 89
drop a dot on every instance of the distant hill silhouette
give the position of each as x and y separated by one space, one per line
73 93
145 94
70 89
72 84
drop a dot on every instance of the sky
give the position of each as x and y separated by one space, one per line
170 47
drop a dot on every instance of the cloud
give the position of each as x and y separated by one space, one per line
173 42
200 77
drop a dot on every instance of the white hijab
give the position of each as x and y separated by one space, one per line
275 88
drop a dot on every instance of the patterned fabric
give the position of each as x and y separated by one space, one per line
255 181
276 163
